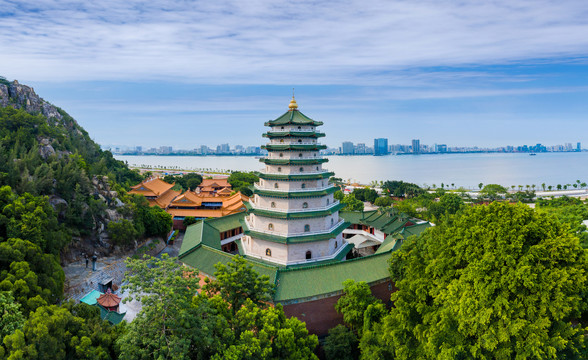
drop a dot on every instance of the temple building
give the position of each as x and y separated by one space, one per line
157 191
213 198
296 233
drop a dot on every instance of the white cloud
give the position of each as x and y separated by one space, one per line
261 42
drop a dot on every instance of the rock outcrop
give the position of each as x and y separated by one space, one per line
24 97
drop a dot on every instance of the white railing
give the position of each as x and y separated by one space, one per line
277 233
294 190
262 170
273 142
298 262
328 207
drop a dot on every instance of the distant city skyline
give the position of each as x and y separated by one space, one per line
163 73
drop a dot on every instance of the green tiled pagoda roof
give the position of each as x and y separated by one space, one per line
303 176
294 215
111 316
303 147
293 117
291 195
293 161
296 239
293 133
227 222
200 233
310 281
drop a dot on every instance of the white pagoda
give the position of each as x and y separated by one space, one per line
293 218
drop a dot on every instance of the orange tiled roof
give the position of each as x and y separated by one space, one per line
108 300
221 182
230 205
151 187
164 200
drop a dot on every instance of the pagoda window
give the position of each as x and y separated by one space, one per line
273 204
305 205
268 252
281 140
279 169
282 128
299 140
335 245
270 226
303 186
306 228
332 221
276 185
300 155
314 155
281 155
299 128
308 255
317 168
301 169
327 201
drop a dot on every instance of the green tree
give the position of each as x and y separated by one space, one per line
11 318
241 181
493 192
341 344
451 203
480 185
369 195
357 297
383 201
122 233
501 281
352 203
169 325
236 282
54 332
189 220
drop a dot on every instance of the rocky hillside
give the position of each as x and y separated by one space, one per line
45 152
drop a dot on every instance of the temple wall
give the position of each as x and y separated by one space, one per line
293 204
320 315
293 226
292 169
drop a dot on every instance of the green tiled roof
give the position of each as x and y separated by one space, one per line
324 175
294 215
293 133
227 222
293 117
295 239
391 243
204 258
112 316
305 282
293 161
307 147
291 195
91 298
200 233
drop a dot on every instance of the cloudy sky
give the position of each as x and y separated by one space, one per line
185 73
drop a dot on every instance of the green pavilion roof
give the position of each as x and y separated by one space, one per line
303 176
301 281
294 147
292 133
296 239
294 215
293 161
292 195
293 117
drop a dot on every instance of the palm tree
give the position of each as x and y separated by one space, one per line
583 185
533 186
520 187
550 187
434 186
512 187
575 185
565 186
480 185
543 186
558 186
453 185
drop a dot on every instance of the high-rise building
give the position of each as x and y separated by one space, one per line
204 150
223 149
380 146
360 148
440 148
416 146
347 148
294 218
579 147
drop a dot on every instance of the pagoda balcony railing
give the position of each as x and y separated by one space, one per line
295 173
293 143
255 206
279 233
293 129
328 186
298 262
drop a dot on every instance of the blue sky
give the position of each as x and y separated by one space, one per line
186 73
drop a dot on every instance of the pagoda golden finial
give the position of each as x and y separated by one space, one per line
293 105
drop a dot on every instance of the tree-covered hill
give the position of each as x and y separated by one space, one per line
45 152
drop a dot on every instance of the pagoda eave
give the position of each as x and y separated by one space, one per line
294 195
293 177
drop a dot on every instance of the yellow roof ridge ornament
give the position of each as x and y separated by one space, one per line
293 105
